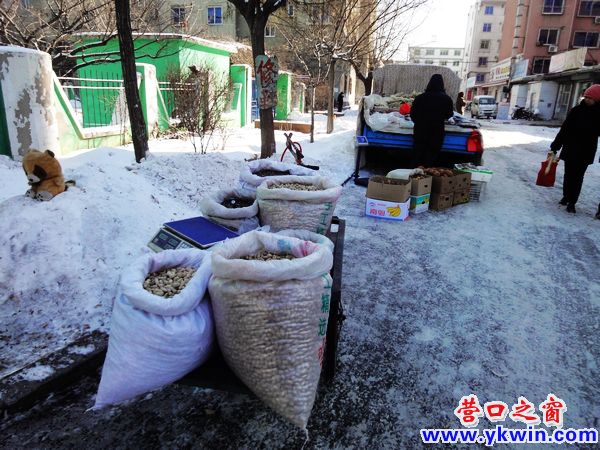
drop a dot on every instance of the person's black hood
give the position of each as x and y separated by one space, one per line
436 84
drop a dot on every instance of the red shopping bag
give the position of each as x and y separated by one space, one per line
547 174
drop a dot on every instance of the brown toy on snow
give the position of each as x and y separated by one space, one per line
44 175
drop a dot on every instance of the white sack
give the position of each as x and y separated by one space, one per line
283 208
155 340
309 236
240 219
271 318
250 181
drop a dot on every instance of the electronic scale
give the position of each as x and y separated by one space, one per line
196 232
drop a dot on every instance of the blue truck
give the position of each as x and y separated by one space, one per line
463 142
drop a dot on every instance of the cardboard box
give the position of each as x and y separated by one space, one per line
461 197
387 210
462 181
421 186
439 202
388 189
443 185
419 203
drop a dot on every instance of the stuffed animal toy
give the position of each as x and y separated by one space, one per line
44 175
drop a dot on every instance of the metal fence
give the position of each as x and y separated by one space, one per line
98 101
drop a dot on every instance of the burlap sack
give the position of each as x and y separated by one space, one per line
283 208
271 318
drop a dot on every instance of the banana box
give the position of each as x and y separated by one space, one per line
387 210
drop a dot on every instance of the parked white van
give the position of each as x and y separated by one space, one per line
484 106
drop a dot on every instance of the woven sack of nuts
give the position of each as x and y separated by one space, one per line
250 180
156 340
241 220
283 208
309 236
271 317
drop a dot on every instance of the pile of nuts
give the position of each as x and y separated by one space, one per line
235 202
265 255
387 180
295 187
438 171
169 282
271 172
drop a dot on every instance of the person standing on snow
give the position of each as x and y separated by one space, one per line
578 138
460 103
429 112
340 102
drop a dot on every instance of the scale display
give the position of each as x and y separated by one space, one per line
196 232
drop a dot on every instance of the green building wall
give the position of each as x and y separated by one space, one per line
284 96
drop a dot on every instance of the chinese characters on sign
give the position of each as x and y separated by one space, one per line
469 411
267 71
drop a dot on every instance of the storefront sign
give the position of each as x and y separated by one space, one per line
520 68
500 71
267 71
471 82
573 59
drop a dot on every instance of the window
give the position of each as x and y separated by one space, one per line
553 7
455 63
429 51
489 10
320 13
417 51
548 37
484 44
585 39
290 9
480 78
444 52
417 61
541 65
487 27
482 61
215 15
589 9
178 16
457 52
428 61
270 31
443 63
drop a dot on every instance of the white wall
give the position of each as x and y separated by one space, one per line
27 88
544 98
518 96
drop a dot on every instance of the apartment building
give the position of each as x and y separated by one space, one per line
450 57
484 33
553 47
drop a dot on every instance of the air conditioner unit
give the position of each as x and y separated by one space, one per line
552 48
597 20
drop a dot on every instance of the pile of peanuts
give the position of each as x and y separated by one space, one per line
295 186
169 282
265 255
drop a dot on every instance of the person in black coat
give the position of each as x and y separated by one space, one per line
340 102
429 112
578 138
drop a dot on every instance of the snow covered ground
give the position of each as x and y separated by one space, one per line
498 298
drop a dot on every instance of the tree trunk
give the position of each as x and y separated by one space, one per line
267 131
366 81
330 84
312 114
139 132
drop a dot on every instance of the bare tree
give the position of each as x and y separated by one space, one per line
139 132
349 31
256 13
70 30
200 97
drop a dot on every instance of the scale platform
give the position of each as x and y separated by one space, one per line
196 232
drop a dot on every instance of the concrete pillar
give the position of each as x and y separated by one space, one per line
149 95
28 92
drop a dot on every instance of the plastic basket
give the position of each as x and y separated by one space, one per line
476 191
